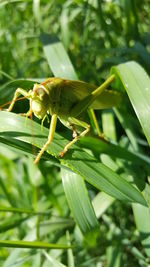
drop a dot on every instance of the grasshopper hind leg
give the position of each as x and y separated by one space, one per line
75 136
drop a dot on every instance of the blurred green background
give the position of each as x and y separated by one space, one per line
96 34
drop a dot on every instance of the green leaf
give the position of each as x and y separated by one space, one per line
79 202
136 82
101 203
142 219
100 146
57 57
101 176
78 160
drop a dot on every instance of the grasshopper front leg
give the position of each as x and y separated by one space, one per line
50 137
18 91
76 137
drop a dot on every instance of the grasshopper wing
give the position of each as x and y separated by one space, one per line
78 90
108 99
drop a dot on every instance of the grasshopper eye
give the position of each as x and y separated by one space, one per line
40 90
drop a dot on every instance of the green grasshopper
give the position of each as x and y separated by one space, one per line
67 100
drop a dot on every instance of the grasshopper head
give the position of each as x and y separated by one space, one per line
39 100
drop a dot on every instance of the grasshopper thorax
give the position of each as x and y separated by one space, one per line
39 100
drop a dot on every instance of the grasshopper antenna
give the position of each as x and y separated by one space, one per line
9 102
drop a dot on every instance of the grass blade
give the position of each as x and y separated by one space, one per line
101 203
78 160
136 82
33 244
57 57
79 202
100 146
142 219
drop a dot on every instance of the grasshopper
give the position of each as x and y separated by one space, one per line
67 100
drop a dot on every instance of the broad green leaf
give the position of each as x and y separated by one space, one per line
101 203
142 219
25 148
136 82
57 57
79 202
78 160
99 146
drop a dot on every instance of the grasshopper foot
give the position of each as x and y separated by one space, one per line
62 153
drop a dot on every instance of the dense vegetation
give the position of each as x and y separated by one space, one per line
101 207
